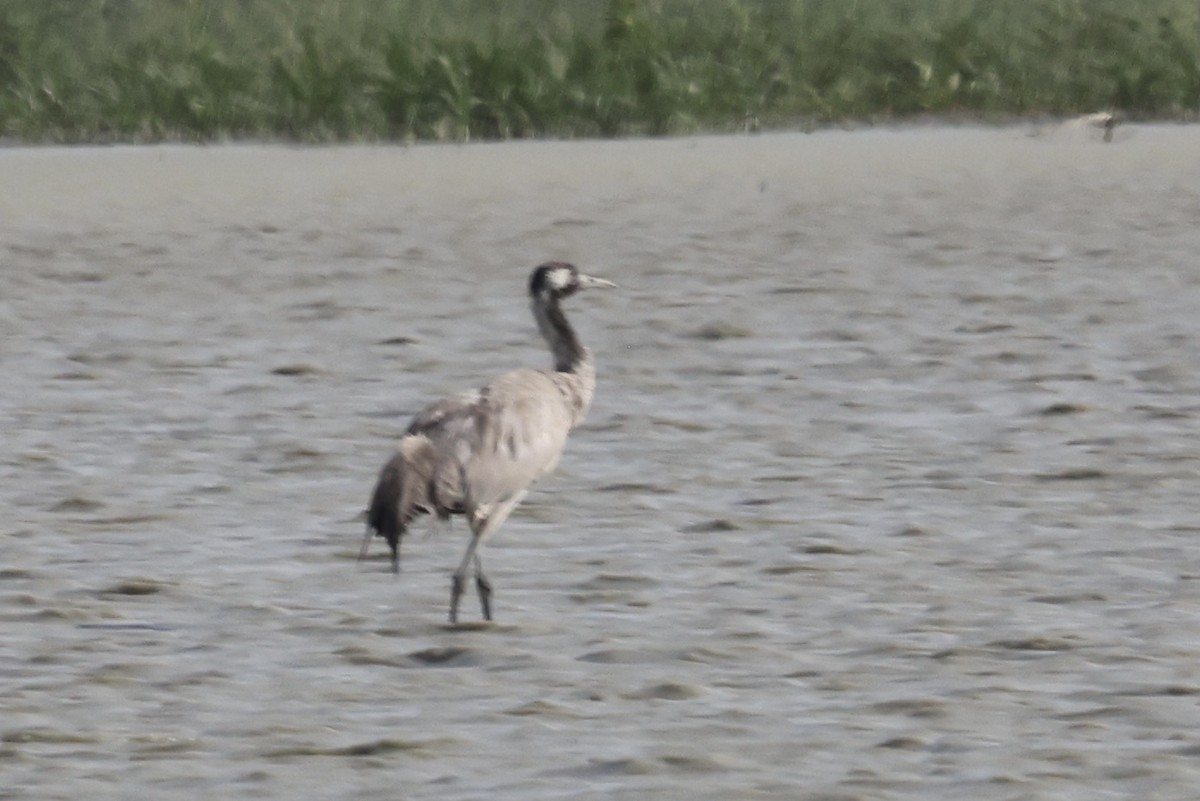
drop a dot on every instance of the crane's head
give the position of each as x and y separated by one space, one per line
557 279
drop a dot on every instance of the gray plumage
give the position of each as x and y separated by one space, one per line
476 454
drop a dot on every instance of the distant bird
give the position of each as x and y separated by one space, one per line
476 454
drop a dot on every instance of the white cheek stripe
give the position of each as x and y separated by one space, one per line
560 278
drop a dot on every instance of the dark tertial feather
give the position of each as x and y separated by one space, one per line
403 492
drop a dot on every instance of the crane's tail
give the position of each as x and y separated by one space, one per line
401 494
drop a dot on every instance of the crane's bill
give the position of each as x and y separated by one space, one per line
592 282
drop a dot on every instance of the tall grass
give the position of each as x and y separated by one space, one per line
326 70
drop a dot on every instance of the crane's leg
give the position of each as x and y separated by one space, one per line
366 545
485 589
458 579
484 521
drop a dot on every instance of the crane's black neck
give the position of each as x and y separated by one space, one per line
569 354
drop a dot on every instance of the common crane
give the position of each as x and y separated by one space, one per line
476 454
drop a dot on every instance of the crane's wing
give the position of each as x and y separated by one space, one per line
520 432
439 425
493 443
440 416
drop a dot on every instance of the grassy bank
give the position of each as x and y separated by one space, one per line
321 70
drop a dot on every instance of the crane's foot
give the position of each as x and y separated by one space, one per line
485 595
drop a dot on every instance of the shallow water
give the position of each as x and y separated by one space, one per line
888 491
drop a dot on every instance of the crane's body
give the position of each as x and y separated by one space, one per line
476 454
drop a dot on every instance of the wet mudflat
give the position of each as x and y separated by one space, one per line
889 490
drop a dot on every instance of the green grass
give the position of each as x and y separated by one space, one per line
336 70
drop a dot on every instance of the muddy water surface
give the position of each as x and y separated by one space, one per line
889 491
